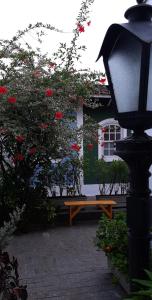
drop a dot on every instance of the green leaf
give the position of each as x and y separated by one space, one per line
146 283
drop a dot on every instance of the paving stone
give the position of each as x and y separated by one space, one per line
62 263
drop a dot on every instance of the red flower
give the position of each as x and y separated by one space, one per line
102 80
58 115
49 93
3 90
90 147
20 138
52 65
16 291
80 28
88 23
104 130
75 147
11 100
102 144
32 151
3 130
19 157
43 125
37 73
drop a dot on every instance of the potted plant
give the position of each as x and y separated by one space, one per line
111 237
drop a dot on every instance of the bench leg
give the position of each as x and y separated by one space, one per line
107 210
73 212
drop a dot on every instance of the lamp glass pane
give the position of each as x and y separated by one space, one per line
149 94
124 64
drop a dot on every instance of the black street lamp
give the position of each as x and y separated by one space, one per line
127 56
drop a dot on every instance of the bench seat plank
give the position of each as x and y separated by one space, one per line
75 206
88 202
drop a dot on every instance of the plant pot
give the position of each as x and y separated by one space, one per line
122 278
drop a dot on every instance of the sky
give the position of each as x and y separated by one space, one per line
17 14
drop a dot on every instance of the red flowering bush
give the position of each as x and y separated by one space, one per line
18 157
58 115
102 80
104 129
102 144
80 28
20 138
38 104
43 125
90 147
11 100
32 151
3 90
48 93
75 147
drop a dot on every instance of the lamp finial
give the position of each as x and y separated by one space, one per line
140 12
141 1
144 2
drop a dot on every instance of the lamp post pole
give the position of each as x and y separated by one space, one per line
137 152
127 57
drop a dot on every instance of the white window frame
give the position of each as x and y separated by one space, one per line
123 134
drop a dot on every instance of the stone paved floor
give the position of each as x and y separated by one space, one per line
62 263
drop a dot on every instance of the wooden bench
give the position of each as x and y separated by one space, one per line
75 206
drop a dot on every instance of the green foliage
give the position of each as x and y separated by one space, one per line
65 174
39 209
8 228
144 288
111 237
111 176
34 87
51 212
10 288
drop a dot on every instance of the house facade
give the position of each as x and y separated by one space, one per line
109 132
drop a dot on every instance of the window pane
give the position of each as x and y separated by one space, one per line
118 136
112 128
112 137
106 145
106 152
111 152
106 136
112 134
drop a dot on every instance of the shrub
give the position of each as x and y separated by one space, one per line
111 237
10 288
40 96
39 209
144 286
112 176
